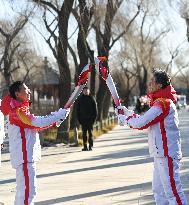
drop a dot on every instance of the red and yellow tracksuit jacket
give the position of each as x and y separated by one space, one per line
162 123
24 143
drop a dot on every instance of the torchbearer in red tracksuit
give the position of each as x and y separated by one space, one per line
163 138
24 144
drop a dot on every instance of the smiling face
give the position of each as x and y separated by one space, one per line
23 94
153 86
160 80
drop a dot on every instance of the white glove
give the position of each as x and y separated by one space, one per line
125 110
122 120
97 61
66 113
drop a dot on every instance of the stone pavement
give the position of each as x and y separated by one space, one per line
117 172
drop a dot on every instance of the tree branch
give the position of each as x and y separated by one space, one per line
12 54
19 25
180 70
49 4
127 27
1 61
4 33
15 68
73 33
52 32
116 39
51 47
134 17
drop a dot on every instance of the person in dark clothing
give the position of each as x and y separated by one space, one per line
86 114
138 107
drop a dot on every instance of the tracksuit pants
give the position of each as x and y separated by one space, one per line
166 183
26 184
87 128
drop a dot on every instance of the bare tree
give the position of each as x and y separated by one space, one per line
148 43
174 56
182 79
83 15
57 27
105 41
126 81
9 33
29 63
182 8
184 12
144 47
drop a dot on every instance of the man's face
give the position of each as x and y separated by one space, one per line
153 86
23 94
86 91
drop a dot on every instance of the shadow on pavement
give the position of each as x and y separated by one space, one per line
143 152
132 135
93 194
138 141
106 166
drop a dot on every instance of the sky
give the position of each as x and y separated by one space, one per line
177 24
169 16
177 34
37 41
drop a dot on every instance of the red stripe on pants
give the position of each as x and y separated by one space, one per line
170 163
164 138
172 180
25 168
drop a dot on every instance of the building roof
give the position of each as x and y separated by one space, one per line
46 76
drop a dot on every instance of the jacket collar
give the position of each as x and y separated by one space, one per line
15 103
167 93
8 103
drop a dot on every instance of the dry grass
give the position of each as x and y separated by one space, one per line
51 135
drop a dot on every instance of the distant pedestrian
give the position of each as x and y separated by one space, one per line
24 143
163 137
86 114
138 107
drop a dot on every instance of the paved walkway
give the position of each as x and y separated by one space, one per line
117 172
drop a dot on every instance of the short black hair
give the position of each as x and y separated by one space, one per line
161 77
86 87
15 87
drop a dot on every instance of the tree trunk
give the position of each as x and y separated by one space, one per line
7 74
143 82
107 101
93 81
83 57
65 75
101 97
65 90
73 123
126 99
63 130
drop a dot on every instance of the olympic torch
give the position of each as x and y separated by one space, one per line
105 74
82 81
